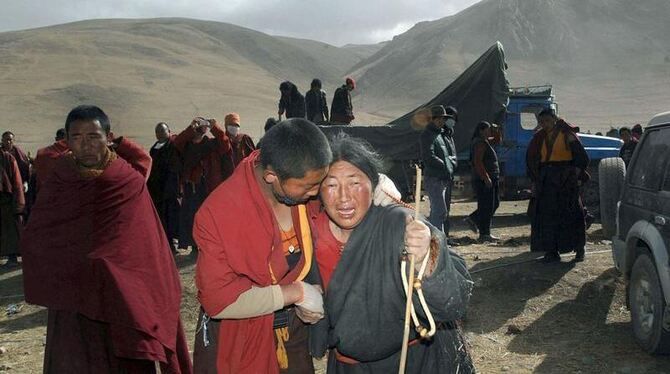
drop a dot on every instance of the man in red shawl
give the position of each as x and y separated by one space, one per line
255 270
12 203
114 296
23 161
205 149
47 156
241 143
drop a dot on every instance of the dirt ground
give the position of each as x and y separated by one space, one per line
523 318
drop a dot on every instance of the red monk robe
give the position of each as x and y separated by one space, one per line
240 247
46 158
115 291
12 203
204 158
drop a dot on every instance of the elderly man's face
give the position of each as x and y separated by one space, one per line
346 194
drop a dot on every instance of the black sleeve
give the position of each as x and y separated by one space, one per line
300 107
325 105
447 290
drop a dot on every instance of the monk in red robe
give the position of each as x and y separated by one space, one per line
255 270
242 144
205 148
12 203
114 297
23 161
47 156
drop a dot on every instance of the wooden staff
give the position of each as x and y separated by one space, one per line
410 282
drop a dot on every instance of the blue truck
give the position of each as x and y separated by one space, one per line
481 92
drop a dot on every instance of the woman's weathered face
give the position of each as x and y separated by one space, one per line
346 194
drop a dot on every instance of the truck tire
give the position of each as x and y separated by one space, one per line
647 306
611 173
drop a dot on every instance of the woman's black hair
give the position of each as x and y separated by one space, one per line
478 129
359 153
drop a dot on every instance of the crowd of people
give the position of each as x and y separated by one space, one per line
298 240
274 264
556 162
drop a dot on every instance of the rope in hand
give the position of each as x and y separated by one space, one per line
414 283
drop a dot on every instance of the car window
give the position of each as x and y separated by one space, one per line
529 116
648 171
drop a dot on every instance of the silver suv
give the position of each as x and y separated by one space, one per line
639 202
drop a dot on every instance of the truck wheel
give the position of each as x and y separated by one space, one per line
591 194
611 172
647 306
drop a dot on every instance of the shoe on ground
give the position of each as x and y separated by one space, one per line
471 225
550 257
488 238
579 257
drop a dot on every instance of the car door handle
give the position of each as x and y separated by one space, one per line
659 220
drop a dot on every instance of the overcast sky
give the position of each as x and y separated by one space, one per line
333 21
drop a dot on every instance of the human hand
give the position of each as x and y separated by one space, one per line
417 238
310 308
292 293
385 192
488 182
308 316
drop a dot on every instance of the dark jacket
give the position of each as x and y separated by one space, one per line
293 105
438 153
342 110
316 106
626 151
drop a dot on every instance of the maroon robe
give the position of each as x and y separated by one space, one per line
240 243
12 202
95 253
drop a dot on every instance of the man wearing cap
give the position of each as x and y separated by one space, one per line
242 144
342 111
438 153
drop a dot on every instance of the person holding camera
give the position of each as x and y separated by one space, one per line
204 147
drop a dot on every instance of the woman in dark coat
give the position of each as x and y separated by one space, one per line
291 102
358 249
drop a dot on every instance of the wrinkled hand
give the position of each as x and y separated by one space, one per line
417 238
310 308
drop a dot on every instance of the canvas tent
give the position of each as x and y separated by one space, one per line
480 93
